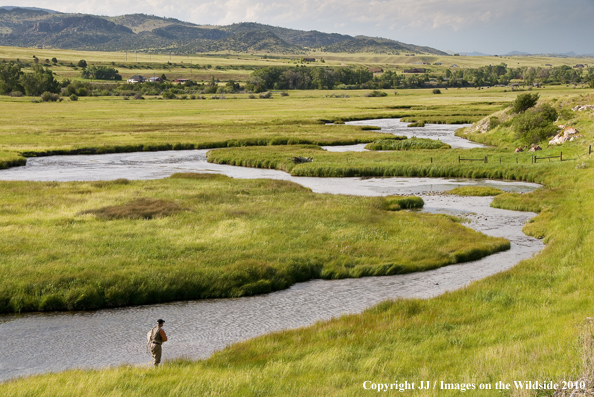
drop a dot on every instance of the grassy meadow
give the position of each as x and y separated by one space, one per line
105 244
238 66
111 124
527 323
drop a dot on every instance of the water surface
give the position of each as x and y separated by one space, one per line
442 132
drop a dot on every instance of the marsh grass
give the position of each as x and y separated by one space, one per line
407 144
87 245
475 191
502 164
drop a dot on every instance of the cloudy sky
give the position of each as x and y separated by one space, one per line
494 26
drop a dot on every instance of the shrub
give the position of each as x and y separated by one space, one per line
266 95
566 114
82 63
251 96
436 91
16 94
524 102
73 97
284 93
375 93
536 125
138 95
49 97
493 122
168 95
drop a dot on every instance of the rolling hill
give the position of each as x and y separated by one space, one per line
26 27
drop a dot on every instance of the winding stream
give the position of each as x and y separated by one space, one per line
44 342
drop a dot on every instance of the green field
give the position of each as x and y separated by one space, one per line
528 323
112 123
105 244
236 66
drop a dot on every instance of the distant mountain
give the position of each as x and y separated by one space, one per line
516 53
29 8
139 32
474 54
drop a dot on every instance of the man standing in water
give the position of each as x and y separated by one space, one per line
156 338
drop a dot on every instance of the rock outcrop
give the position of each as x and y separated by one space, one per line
567 135
580 108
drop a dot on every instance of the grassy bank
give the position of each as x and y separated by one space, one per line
407 144
523 324
501 164
74 246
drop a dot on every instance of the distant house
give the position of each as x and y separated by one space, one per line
548 64
376 70
414 70
136 79
182 81
155 80
454 66
437 63
309 59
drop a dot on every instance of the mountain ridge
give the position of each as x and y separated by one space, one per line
38 27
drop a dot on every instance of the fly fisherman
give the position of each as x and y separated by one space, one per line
156 337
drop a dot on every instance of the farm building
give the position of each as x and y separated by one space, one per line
415 70
136 79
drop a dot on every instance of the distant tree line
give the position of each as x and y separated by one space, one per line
304 78
281 78
100 73
40 80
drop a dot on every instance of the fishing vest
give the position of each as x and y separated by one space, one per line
156 335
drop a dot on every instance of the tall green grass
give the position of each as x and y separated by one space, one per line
413 163
476 191
407 144
87 245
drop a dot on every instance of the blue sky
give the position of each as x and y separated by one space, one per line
494 27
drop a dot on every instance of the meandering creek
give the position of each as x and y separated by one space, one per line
44 342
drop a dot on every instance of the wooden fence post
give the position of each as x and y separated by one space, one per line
561 156
485 159
458 159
